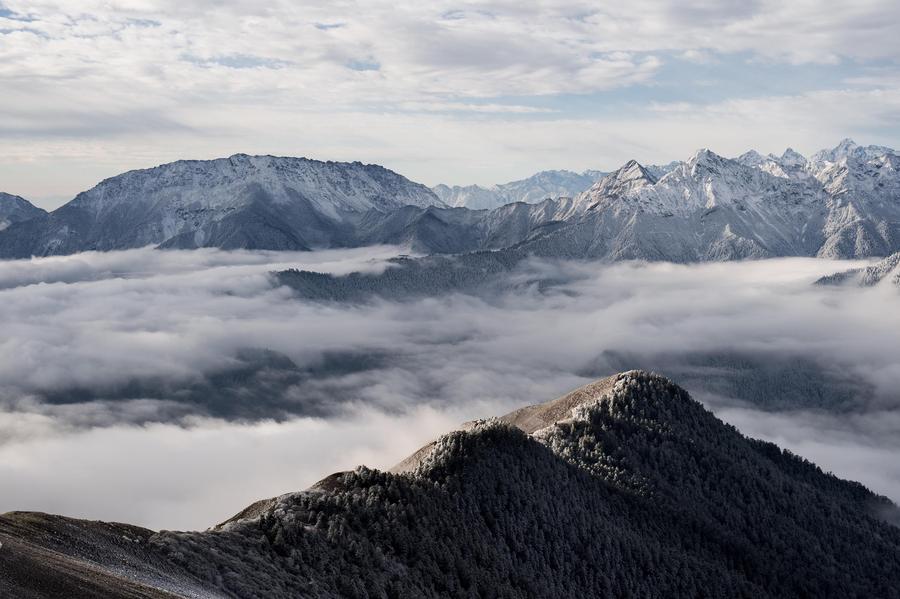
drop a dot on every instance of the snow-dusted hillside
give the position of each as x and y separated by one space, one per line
241 201
885 270
14 209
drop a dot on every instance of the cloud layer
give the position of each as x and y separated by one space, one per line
502 89
118 370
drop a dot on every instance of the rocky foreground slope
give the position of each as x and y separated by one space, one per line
626 487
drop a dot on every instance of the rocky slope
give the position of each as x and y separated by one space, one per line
625 487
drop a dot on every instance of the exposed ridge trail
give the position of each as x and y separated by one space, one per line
624 487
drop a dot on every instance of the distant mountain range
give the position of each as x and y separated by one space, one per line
626 487
839 203
541 186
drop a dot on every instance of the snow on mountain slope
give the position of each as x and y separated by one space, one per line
863 205
538 187
885 270
847 148
790 165
14 209
620 183
474 197
843 203
331 187
241 201
713 208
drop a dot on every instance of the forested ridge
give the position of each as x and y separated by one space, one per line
633 489
642 493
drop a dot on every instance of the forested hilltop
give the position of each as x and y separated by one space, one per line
624 488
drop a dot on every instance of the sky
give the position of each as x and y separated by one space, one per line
454 92
105 412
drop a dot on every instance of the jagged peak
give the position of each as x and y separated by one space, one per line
751 158
846 144
634 170
704 158
792 156
848 150
629 173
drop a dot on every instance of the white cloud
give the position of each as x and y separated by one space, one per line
93 88
98 321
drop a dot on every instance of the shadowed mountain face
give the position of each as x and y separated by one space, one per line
15 209
626 487
842 203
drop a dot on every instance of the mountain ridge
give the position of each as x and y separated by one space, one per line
15 209
844 204
243 201
626 486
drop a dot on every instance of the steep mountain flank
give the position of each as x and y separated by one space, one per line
626 487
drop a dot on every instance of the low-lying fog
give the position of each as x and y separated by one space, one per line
171 389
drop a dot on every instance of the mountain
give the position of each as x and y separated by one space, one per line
847 148
475 197
707 208
626 487
540 186
790 165
714 208
622 182
14 209
237 202
844 203
863 206
887 269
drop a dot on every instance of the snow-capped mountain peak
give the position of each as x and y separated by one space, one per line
622 182
790 157
752 158
850 150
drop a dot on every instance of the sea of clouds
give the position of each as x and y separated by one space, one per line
119 397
